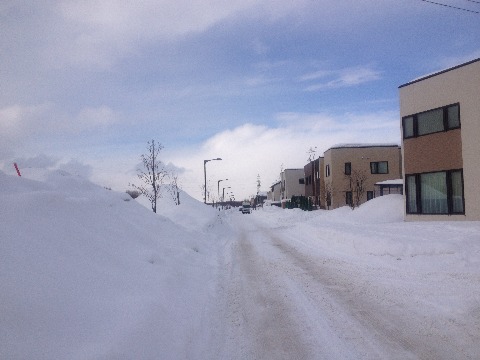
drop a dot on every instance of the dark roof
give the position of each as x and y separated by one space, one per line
438 73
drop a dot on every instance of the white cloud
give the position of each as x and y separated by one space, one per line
91 117
246 150
32 129
341 78
41 161
249 149
102 31
77 168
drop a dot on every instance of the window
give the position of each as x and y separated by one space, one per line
408 131
411 194
301 181
435 193
379 167
431 121
327 170
348 198
369 195
348 168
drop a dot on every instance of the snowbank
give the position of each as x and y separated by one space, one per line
84 271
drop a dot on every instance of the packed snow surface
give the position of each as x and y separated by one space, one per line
88 273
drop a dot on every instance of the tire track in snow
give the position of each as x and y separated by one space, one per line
375 323
283 302
259 312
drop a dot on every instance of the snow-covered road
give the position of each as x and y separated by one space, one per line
285 299
86 273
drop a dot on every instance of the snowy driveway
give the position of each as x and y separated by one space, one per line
287 299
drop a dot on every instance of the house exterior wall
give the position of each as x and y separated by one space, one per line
275 192
452 149
291 185
360 157
312 172
319 183
447 156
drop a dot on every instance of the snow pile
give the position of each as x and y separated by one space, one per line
376 230
190 213
87 272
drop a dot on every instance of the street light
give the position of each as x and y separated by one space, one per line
223 192
218 186
205 175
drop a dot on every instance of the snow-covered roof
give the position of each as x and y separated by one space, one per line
390 182
363 145
424 77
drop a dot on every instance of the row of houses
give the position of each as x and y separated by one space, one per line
347 174
436 168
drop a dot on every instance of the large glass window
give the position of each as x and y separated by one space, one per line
435 193
433 189
379 167
431 121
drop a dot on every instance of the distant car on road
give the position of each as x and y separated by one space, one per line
246 208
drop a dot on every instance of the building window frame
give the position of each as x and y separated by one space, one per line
327 170
379 167
370 195
413 193
348 168
349 198
449 121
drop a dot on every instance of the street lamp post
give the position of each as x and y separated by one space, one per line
223 192
218 186
205 176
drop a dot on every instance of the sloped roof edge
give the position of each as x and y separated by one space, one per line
439 72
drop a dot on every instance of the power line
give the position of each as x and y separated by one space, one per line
476 2
453 7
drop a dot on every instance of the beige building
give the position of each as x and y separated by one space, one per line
351 171
441 144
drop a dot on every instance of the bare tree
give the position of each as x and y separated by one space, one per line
174 189
311 153
152 175
327 194
207 192
357 185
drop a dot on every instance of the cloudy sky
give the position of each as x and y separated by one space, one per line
85 84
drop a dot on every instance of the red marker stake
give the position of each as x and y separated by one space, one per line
16 168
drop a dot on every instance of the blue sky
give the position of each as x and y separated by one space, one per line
85 85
